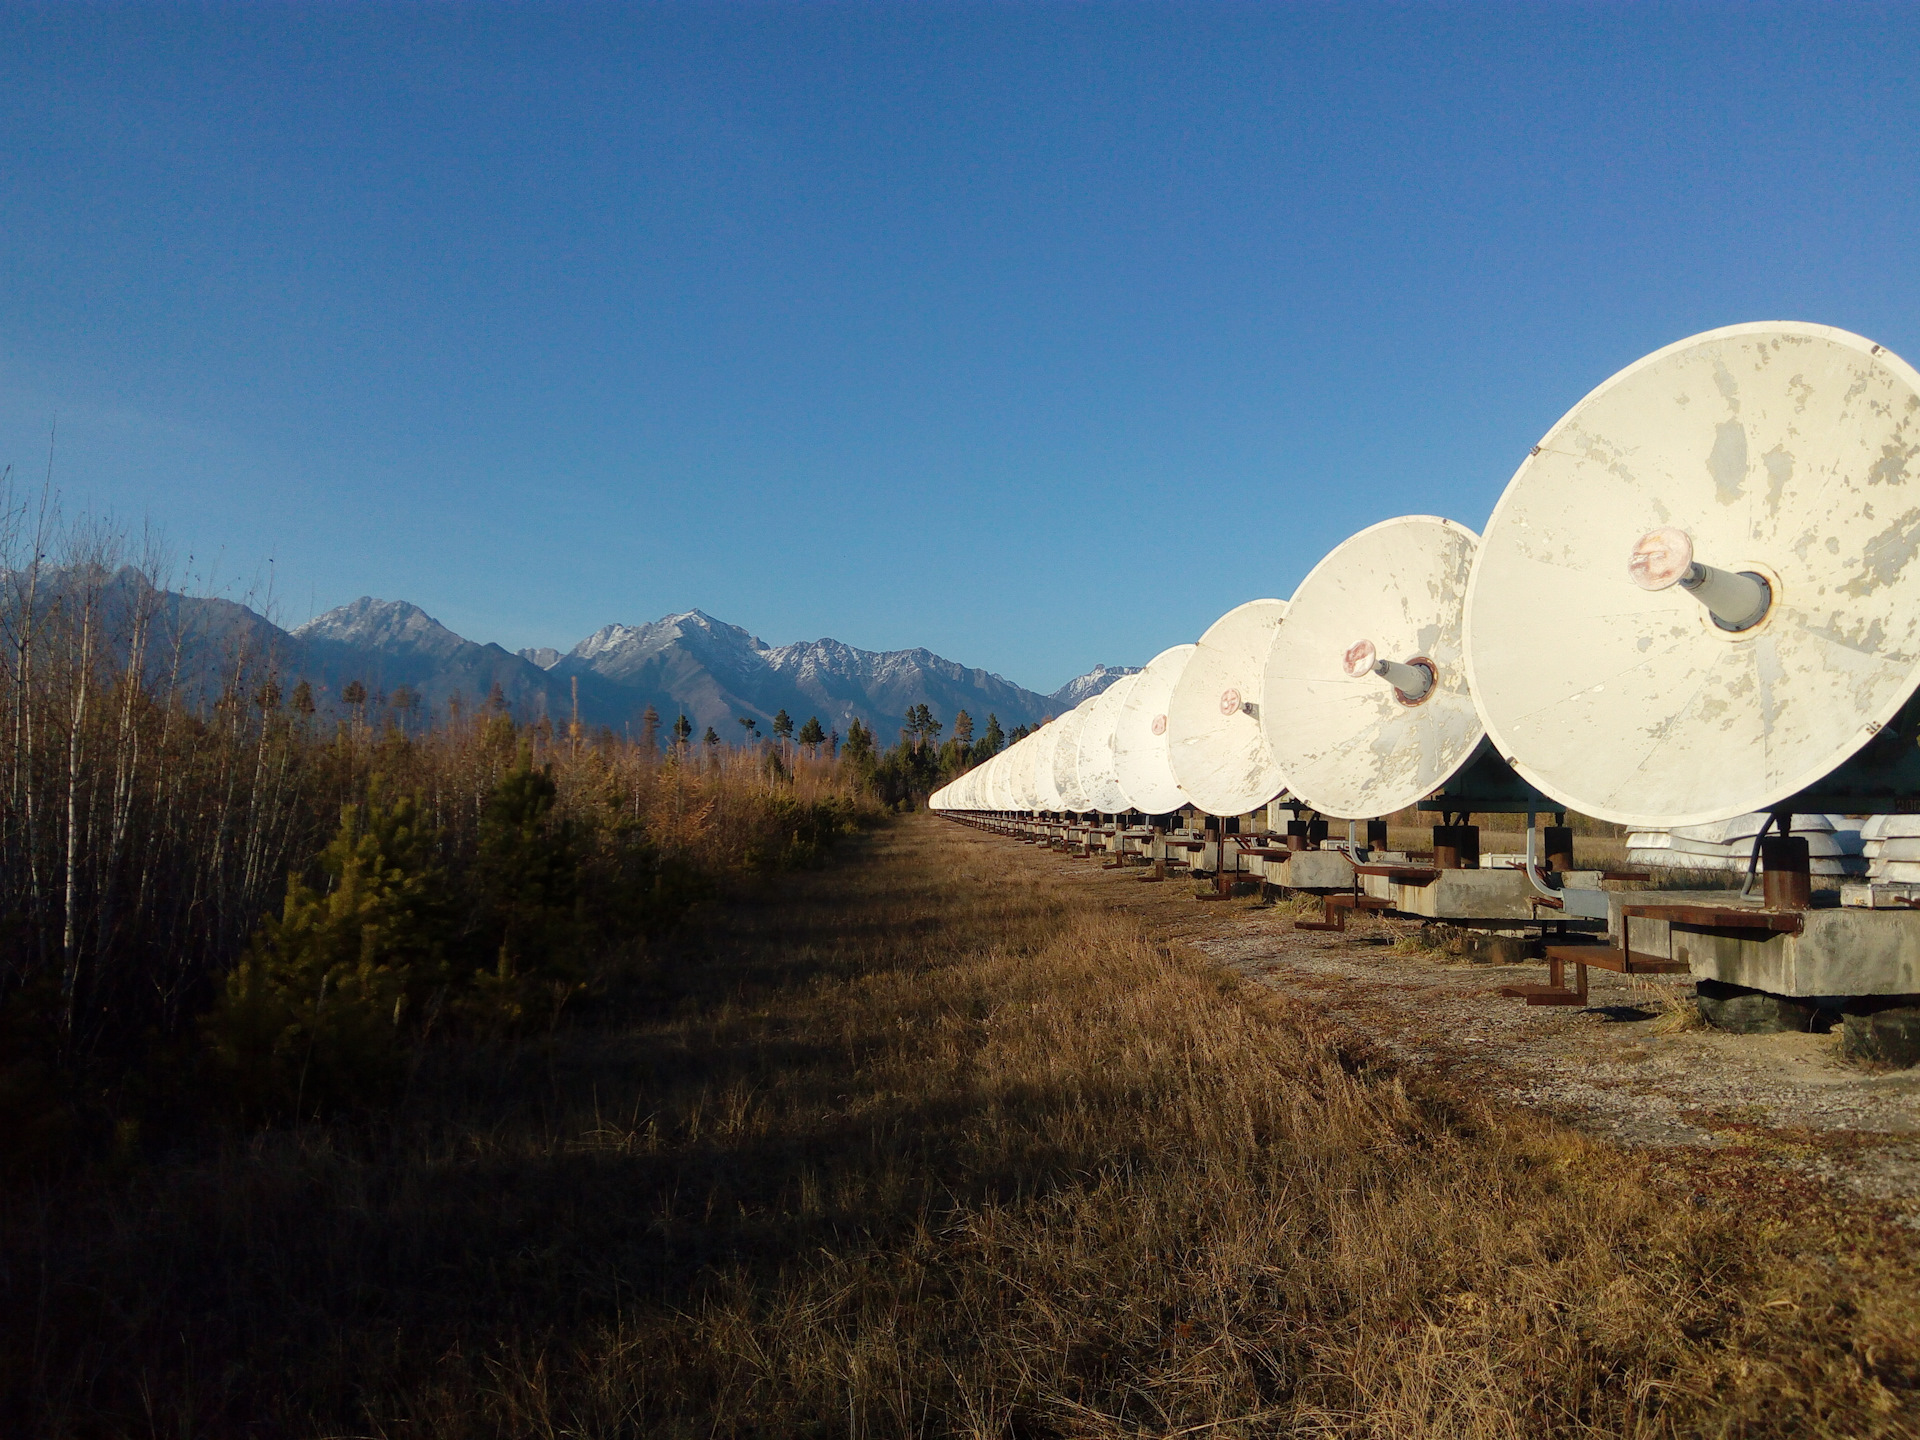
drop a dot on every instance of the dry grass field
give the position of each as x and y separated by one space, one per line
931 1144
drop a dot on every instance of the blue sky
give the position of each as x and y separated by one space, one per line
1037 335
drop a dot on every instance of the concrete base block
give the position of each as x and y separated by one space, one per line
1458 895
1312 870
1838 952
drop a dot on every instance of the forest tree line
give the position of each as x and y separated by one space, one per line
214 891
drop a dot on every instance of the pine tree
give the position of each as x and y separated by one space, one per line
747 726
783 725
993 741
921 726
527 878
312 1014
712 736
859 747
963 729
682 729
811 734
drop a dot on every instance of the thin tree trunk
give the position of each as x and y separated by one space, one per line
69 934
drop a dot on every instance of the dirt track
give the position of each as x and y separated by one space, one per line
1616 1069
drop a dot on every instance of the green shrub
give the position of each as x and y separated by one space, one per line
533 932
800 832
311 1018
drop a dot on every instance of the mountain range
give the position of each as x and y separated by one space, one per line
690 664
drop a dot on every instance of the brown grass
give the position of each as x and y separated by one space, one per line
931 1144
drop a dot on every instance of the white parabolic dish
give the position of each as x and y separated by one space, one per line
1046 795
1018 759
1003 786
1066 760
1140 759
1783 450
1351 746
1218 753
1097 776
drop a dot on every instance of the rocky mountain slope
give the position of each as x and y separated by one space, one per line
688 663
1085 687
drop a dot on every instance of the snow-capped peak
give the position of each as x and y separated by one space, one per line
1085 687
381 625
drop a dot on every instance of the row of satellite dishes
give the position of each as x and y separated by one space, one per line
1696 598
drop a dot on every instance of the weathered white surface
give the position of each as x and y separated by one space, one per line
986 783
979 783
1097 775
1020 772
1785 449
1066 759
1218 754
1025 785
1046 796
1348 746
1004 786
1141 762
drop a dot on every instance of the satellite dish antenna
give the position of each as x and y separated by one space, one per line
1698 594
1046 795
1141 762
1097 775
1066 759
1007 791
1007 794
1218 753
1027 754
1016 759
997 782
1365 702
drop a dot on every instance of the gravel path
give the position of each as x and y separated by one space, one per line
1617 1069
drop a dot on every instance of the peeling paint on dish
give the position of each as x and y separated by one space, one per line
1783 449
1097 776
1220 757
1141 761
1042 791
1347 743
1066 758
